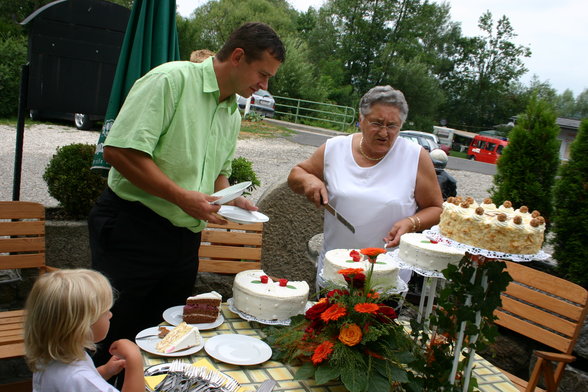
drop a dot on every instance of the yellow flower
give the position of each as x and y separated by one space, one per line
350 334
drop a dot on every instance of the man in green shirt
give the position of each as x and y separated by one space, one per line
170 147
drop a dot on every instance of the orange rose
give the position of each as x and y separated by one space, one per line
333 313
322 352
350 334
366 308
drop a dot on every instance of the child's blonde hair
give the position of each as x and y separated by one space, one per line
60 311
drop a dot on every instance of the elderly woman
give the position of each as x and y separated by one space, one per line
383 185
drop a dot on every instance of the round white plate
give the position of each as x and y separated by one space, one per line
149 344
238 349
174 314
239 215
231 193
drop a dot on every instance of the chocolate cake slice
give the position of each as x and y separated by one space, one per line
202 308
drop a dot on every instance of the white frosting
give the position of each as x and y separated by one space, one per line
268 301
211 295
181 337
384 275
416 249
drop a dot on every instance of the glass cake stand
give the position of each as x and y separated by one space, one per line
477 255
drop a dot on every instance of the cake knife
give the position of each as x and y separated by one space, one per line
340 218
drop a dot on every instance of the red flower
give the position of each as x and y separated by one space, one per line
366 308
355 255
322 352
283 282
337 292
315 311
334 312
354 277
386 314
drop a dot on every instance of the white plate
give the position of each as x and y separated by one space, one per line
230 193
174 314
238 349
150 343
239 215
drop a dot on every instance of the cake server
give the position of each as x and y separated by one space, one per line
339 217
266 386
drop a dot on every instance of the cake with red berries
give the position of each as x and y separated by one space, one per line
418 250
258 295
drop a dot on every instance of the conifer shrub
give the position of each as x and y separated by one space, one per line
525 173
243 171
70 180
571 212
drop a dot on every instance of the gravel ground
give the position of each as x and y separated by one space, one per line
272 160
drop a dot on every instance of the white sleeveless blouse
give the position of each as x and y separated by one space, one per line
372 198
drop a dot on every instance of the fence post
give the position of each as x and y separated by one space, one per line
297 110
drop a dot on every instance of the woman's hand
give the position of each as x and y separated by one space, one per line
398 229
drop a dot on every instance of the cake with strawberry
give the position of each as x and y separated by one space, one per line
418 250
384 274
258 295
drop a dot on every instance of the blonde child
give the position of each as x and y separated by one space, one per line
68 312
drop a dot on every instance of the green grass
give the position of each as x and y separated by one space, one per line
458 154
263 129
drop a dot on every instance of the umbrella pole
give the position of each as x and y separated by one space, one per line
22 107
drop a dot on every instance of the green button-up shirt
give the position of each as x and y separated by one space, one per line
173 114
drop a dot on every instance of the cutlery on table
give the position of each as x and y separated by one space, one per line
266 386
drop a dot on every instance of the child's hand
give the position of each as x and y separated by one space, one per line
111 368
132 363
127 351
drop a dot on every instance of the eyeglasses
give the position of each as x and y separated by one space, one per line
379 126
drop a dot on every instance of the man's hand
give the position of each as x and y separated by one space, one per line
243 203
197 205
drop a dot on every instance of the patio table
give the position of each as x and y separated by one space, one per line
489 377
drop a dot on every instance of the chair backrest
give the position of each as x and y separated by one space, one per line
543 307
231 248
22 235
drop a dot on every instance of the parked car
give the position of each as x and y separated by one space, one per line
81 120
428 143
262 102
432 137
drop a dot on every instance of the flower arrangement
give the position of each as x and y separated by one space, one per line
352 334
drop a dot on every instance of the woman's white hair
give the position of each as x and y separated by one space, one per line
386 95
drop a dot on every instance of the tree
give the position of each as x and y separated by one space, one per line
485 68
525 173
571 210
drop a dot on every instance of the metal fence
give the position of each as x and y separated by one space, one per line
299 109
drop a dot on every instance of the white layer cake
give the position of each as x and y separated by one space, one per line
416 249
268 301
384 275
181 337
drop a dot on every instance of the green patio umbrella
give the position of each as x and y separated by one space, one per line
151 39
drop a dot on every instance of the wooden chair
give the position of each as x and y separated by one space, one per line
22 245
549 310
231 248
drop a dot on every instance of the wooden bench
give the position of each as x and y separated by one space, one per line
231 248
549 310
22 246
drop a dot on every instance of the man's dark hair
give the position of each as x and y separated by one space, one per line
254 38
